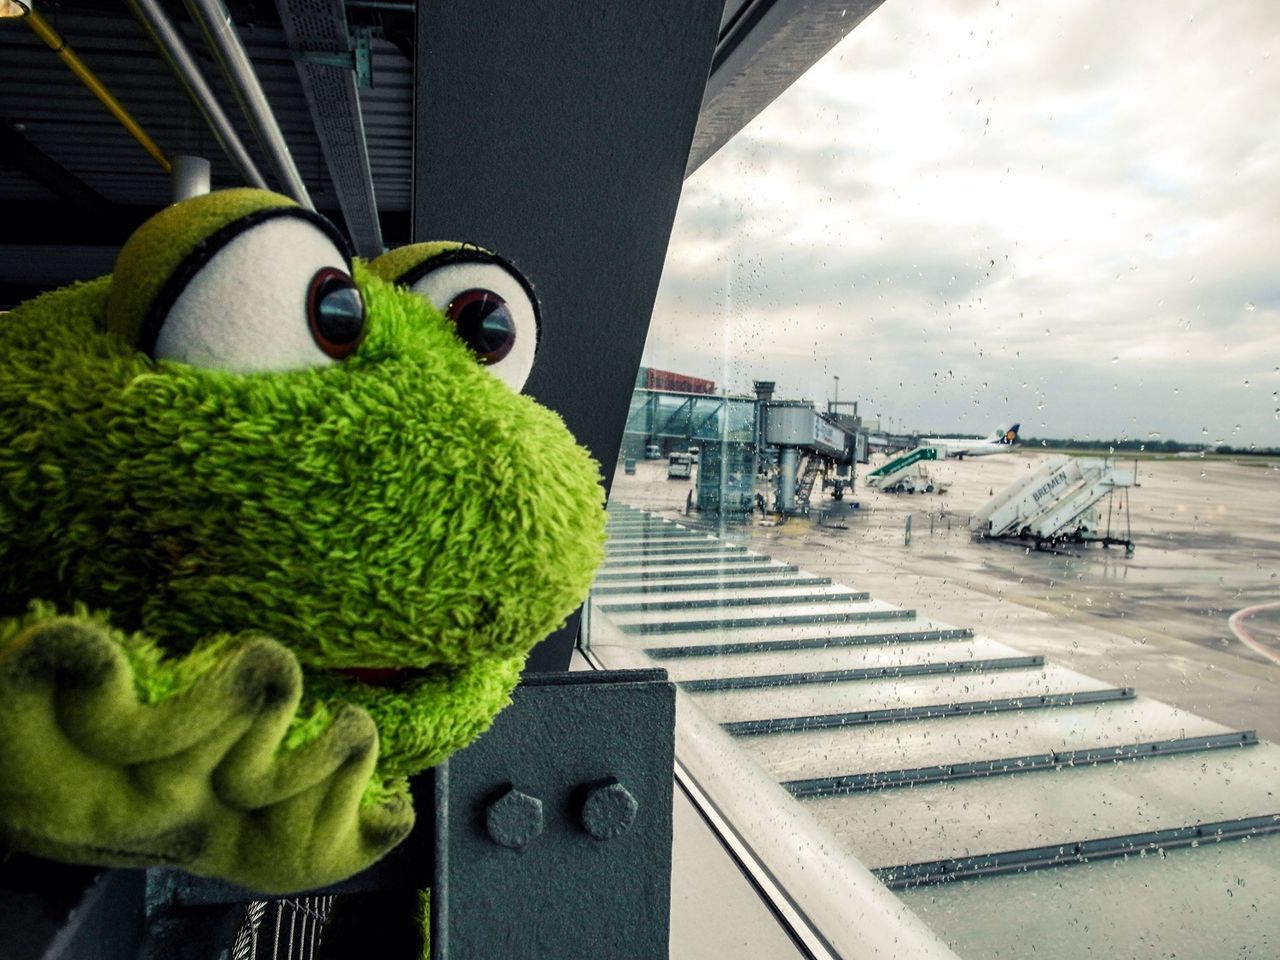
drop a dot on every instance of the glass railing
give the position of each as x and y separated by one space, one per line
947 683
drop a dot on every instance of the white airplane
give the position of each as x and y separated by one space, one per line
1002 441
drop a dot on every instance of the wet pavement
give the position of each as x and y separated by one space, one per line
1207 535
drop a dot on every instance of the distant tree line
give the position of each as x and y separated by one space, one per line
1150 445
1135 445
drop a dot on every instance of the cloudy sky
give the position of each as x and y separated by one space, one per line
1063 212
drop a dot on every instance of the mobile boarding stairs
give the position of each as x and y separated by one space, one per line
880 477
1060 502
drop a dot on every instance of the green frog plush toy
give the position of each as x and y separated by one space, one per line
275 534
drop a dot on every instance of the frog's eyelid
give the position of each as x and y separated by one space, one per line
207 249
272 299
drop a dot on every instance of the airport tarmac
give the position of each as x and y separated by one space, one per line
1207 535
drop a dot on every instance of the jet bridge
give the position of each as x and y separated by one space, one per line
1058 502
800 432
679 420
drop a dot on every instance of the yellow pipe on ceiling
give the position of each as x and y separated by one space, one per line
77 66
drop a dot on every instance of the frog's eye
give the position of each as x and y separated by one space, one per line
271 291
491 307
335 312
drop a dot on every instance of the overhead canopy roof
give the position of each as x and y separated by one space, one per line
73 183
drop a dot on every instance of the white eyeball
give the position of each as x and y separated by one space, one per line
491 307
270 292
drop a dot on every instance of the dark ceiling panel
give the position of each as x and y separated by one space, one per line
15 186
65 120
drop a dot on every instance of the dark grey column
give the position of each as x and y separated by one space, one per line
557 134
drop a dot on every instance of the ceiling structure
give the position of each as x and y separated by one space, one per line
339 78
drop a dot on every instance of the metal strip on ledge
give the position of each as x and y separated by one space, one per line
1148 843
1053 760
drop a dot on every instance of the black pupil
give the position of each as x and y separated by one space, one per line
339 311
484 323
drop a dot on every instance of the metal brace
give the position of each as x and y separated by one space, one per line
359 59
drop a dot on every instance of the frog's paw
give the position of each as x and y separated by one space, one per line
90 773
298 820
67 679
324 833
385 824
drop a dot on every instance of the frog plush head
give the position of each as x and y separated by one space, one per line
242 433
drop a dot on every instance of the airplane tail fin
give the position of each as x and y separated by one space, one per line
1010 436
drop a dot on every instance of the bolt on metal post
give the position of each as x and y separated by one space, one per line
609 810
514 819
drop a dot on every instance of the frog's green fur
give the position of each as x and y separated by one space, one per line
401 508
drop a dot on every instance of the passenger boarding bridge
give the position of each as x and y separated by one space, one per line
676 420
685 419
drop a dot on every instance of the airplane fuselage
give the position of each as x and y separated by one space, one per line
1002 441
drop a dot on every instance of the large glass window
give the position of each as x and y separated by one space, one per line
950 490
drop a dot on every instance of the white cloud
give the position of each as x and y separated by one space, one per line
1064 213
